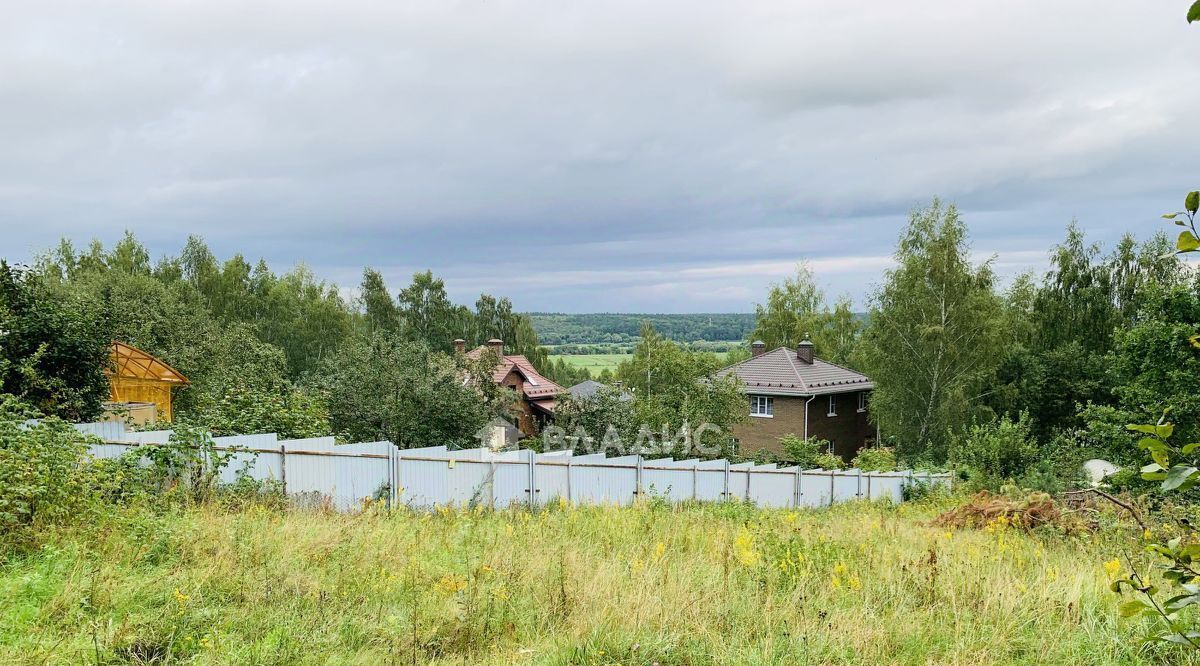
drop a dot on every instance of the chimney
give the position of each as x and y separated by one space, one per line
757 348
804 351
459 345
496 345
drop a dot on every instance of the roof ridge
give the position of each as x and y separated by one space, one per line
795 370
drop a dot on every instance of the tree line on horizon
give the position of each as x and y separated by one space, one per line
1049 368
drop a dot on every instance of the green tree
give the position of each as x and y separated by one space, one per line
428 315
837 338
673 387
53 347
379 307
930 343
382 387
794 311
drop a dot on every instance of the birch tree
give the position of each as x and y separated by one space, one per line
934 335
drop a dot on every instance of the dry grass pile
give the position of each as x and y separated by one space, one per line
987 511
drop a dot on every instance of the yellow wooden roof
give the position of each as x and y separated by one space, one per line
132 362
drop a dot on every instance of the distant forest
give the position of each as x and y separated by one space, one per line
609 328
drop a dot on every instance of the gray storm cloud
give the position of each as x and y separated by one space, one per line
591 156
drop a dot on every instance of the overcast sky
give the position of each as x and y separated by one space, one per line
593 156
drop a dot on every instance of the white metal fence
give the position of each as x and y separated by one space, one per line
315 471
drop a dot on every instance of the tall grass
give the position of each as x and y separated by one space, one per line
699 584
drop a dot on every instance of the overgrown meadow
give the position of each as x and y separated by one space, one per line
697 584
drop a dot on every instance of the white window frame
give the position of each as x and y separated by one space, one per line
762 406
862 401
832 405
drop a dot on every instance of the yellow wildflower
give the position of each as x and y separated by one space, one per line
854 583
744 548
1112 568
659 550
451 584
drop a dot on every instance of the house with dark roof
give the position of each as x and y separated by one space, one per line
536 395
790 391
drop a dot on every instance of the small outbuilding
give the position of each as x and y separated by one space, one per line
137 379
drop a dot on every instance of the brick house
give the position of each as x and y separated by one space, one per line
536 395
790 391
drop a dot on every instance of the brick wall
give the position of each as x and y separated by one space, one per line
848 430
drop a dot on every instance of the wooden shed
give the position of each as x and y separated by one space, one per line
138 377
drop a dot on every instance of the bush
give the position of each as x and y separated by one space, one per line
875 460
42 471
829 461
808 453
995 452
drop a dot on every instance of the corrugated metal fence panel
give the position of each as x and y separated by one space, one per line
429 483
739 478
510 482
109 431
710 480
256 464
611 482
109 450
318 470
845 486
675 485
553 477
887 485
773 489
817 487
148 437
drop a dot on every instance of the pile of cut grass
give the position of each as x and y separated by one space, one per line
699 584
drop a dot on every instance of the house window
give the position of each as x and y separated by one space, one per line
762 405
862 401
832 405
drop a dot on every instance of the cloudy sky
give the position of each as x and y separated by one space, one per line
666 156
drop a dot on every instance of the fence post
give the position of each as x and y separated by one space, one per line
695 481
394 462
532 478
637 486
725 494
832 486
283 468
796 487
749 474
869 485
569 467
492 478
858 484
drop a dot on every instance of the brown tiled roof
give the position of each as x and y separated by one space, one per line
533 384
780 372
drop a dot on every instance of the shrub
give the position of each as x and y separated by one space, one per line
875 460
996 451
807 453
42 471
190 462
829 461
